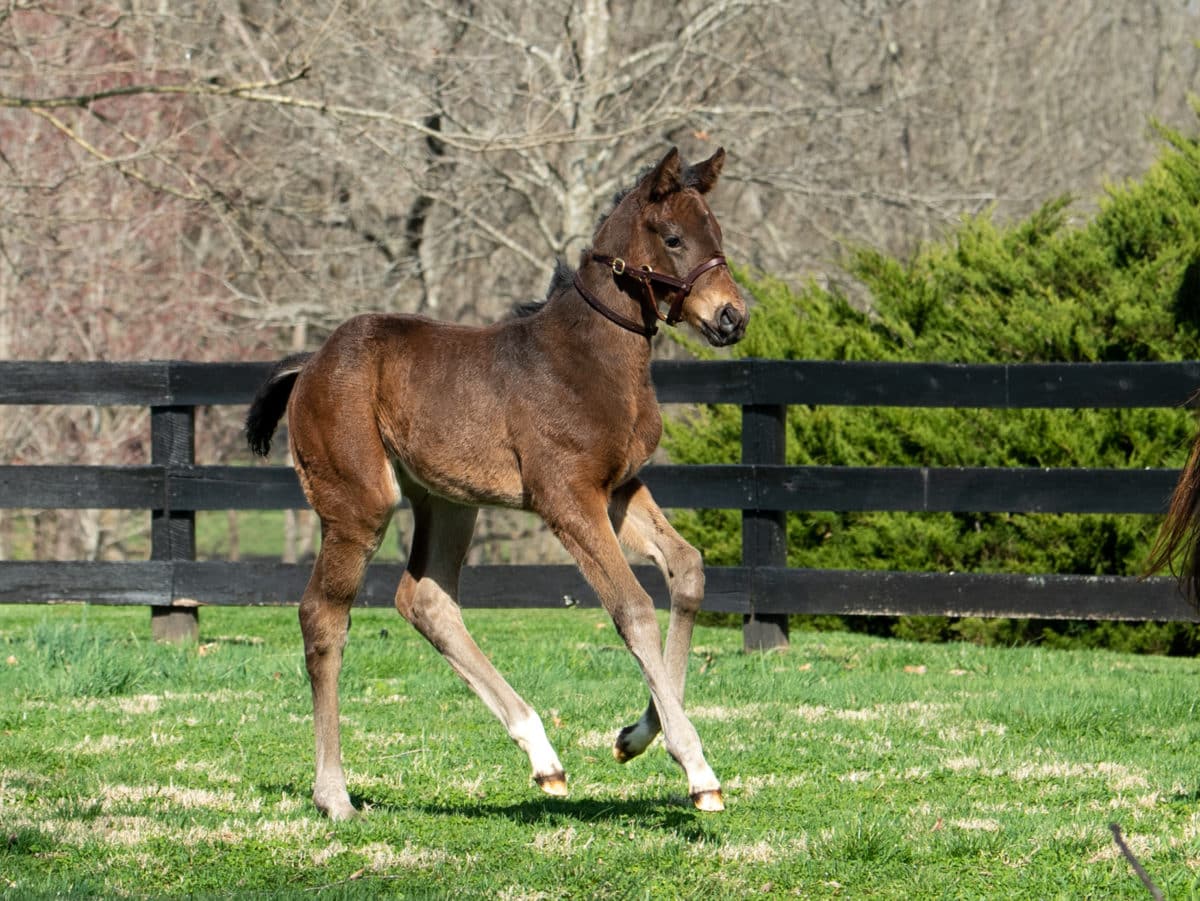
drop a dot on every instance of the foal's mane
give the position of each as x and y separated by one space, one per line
560 280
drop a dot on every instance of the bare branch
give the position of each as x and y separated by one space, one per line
103 157
195 89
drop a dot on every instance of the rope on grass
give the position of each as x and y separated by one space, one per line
1153 889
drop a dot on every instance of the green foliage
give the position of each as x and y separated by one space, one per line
1123 286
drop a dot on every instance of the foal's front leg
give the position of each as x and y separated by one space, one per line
580 520
643 528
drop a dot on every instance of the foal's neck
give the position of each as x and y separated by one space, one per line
597 342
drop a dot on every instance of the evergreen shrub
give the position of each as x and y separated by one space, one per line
1122 286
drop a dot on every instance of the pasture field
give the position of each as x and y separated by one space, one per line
853 767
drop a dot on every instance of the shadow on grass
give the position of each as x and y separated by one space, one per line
671 814
676 816
1186 795
27 840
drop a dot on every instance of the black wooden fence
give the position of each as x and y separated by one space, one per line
763 588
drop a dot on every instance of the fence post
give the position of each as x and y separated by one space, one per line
173 532
764 532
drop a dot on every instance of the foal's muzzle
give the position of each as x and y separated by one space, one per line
727 327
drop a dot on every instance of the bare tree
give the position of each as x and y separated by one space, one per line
223 179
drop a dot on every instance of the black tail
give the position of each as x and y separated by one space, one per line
1178 545
271 402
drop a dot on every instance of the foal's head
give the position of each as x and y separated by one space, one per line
665 225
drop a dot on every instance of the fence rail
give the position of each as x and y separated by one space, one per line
763 588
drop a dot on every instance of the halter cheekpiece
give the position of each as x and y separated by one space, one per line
647 278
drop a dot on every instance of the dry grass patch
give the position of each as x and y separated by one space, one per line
291 803
520 893
1117 776
857 776
322 856
382 858
724 713
103 744
304 829
208 768
121 831
139 704
596 739
167 797
979 824
1142 846
922 713
962 764
759 852
763 852
979 729
749 786
130 831
810 713
556 842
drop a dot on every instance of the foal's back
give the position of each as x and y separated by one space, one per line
469 413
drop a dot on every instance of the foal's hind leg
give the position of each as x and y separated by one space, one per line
352 488
642 527
427 599
324 622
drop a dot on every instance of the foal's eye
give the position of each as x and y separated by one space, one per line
673 241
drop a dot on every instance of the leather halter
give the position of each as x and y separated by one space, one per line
647 278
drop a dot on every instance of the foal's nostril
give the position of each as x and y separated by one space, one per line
729 319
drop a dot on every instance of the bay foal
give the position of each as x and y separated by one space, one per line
551 411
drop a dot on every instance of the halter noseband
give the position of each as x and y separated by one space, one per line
647 277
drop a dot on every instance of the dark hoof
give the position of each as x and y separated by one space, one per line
621 747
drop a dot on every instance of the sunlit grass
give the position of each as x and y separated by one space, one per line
852 766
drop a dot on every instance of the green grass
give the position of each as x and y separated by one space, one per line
853 767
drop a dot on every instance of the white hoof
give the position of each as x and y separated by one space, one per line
709 801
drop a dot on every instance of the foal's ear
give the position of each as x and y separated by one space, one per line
703 176
666 178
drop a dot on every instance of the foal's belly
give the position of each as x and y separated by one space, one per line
462 457
475 478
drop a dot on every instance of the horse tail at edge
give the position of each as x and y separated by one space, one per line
1178 543
271 401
